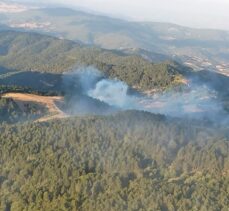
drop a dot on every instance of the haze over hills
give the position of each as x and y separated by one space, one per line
197 48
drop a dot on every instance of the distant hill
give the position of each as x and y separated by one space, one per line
198 48
20 52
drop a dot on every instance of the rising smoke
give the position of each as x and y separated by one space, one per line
114 93
92 92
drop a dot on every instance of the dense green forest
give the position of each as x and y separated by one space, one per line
126 161
33 52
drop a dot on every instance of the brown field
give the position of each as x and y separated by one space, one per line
48 101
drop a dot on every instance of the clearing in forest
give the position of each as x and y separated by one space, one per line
48 101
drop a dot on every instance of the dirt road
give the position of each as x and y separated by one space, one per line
48 101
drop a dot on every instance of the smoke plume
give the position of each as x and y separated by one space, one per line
97 92
114 93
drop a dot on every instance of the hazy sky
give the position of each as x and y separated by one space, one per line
195 13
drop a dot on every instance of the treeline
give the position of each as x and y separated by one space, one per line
23 89
34 52
127 161
16 89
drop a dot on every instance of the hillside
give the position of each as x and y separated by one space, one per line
198 48
22 52
116 162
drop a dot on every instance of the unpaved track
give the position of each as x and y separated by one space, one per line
48 101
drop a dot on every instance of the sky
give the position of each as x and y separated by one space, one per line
194 13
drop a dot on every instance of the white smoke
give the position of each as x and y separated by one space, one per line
195 101
114 93
88 77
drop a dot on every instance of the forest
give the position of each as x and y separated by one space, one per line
34 52
116 162
120 160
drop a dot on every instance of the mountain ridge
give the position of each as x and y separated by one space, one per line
23 51
197 48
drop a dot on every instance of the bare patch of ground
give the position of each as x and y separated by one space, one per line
48 101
